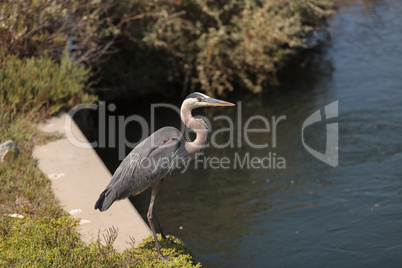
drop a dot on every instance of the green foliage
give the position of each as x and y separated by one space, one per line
41 84
210 45
40 242
180 255
35 27
166 46
54 242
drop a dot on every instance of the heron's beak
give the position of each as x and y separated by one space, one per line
215 102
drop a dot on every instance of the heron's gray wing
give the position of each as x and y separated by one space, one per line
143 170
147 163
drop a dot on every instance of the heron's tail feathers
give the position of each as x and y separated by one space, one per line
105 200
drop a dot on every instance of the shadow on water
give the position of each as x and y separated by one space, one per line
308 214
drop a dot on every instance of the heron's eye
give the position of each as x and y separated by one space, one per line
199 99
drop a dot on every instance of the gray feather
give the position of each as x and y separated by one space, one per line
143 167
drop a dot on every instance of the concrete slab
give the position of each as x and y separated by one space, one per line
78 176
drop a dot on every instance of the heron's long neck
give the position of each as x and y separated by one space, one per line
201 131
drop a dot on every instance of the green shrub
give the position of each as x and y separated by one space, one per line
54 242
210 45
41 84
166 46
35 27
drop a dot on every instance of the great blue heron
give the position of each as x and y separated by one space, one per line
154 158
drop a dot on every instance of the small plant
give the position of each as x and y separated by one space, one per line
40 85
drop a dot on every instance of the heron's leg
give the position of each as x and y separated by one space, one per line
156 219
168 238
159 226
150 217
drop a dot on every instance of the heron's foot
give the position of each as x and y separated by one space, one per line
165 258
169 239
163 235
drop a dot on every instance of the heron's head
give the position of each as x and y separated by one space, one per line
196 99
